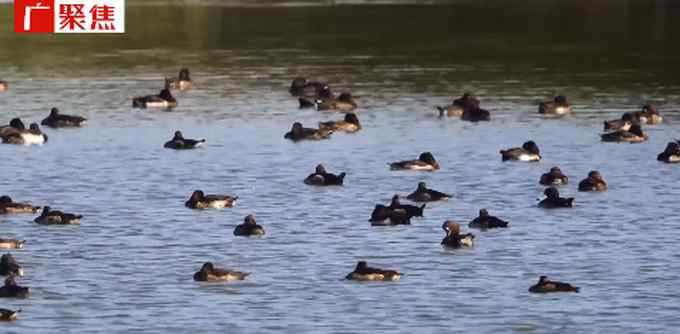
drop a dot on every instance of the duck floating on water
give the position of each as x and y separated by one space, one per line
554 177
545 285
21 136
209 273
54 217
322 178
362 272
8 206
343 103
164 99
178 142
553 200
423 194
301 87
486 221
453 238
528 152
411 210
385 216
6 243
183 81
594 182
671 154
10 266
12 290
350 124
425 162
622 124
9 315
458 106
633 135
249 228
298 132
650 115
57 120
199 200
558 106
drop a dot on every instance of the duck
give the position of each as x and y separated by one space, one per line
343 103
411 210
32 136
209 273
57 120
318 97
6 243
554 177
453 238
475 115
50 217
178 142
633 135
553 200
301 87
362 272
12 290
183 81
297 133
14 127
425 162
458 106
322 178
384 216
7 206
423 194
4 86
10 266
350 124
164 99
624 123
545 285
528 152
485 221
558 106
249 228
650 115
9 315
671 154
199 200
594 182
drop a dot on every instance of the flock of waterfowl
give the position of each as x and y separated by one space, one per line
318 95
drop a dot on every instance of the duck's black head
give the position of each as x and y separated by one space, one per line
551 193
5 199
531 147
352 118
46 210
451 227
54 112
325 92
297 128
542 279
628 117
650 109
636 129
361 265
34 127
207 267
560 99
298 83
468 96
165 94
556 171
178 135
422 186
595 175
395 201
483 213
250 220
7 259
345 97
197 195
17 124
672 147
184 74
320 169
428 158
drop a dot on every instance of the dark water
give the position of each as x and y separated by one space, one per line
128 267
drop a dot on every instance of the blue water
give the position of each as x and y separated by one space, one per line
128 267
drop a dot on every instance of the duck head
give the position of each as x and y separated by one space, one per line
325 92
5 199
451 227
552 193
197 196
483 213
556 171
207 267
361 265
45 211
184 74
636 129
165 95
531 147
297 129
595 175
352 118
560 99
298 83
629 117
427 157
250 220
320 169
542 279
178 135
671 148
650 109
345 97
54 112
34 127
395 201
17 124
422 186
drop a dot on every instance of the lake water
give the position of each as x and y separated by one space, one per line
128 268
